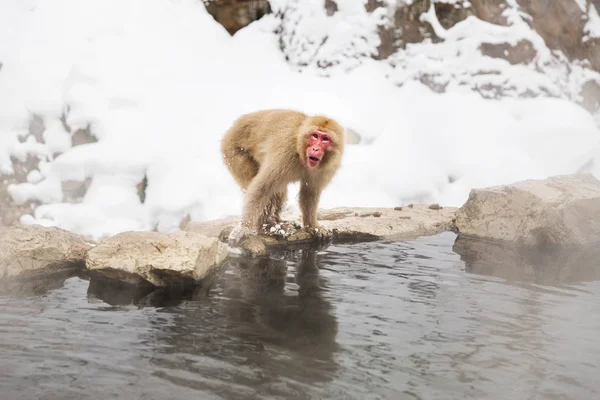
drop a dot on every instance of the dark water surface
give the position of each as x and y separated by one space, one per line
363 321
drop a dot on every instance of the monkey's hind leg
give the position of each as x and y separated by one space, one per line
241 165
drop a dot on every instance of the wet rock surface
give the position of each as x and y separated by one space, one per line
558 211
158 259
28 250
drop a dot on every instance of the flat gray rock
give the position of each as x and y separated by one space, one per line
27 250
160 259
561 210
388 223
346 224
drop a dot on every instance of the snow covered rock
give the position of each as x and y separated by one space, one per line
157 258
498 48
33 249
23 182
561 210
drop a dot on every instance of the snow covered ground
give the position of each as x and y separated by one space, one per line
160 81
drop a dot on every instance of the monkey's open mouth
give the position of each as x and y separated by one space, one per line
313 161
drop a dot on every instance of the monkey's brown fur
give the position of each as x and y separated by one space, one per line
266 150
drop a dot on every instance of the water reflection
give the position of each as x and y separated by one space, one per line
37 285
361 321
547 266
118 293
267 325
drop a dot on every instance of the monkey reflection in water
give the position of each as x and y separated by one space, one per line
304 323
245 315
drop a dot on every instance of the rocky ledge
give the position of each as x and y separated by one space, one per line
531 222
345 224
160 259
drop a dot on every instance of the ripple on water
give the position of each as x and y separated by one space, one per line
370 320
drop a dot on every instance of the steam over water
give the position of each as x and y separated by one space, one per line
361 321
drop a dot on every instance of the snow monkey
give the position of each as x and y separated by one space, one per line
266 150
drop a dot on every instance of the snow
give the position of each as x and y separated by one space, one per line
159 82
592 27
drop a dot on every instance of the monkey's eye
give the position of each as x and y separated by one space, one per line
325 139
315 135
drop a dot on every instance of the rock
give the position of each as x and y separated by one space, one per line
160 259
522 52
561 210
407 27
29 250
590 93
331 7
449 14
81 136
389 224
12 208
561 25
74 191
236 14
212 228
346 224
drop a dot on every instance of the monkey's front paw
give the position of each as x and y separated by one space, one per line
237 234
319 232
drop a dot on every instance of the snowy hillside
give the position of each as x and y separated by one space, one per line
158 82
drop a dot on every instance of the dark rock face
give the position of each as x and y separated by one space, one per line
522 52
406 28
561 23
331 7
236 14
386 32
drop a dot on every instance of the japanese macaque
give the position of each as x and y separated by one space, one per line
267 150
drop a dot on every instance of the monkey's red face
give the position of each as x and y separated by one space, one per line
318 143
